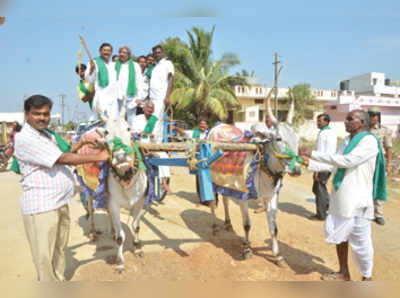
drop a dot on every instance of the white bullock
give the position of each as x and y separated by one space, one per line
126 188
268 178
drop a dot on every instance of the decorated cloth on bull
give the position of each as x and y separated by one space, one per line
233 173
92 176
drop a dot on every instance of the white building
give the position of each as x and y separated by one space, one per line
362 92
252 99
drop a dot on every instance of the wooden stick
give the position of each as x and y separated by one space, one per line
181 146
86 48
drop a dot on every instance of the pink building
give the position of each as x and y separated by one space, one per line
364 92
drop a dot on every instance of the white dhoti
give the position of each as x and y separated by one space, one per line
356 230
163 171
159 113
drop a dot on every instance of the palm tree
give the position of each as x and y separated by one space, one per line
203 86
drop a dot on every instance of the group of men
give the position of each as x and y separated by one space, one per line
327 143
111 87
119 86
359 186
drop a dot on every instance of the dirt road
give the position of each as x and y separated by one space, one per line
178 243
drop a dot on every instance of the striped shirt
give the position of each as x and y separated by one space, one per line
45 185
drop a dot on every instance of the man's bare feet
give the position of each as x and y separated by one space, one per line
166 188
335 276
367 278
259 210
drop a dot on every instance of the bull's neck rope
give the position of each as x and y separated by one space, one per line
288 154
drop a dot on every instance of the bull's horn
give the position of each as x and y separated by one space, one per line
289 118
268 107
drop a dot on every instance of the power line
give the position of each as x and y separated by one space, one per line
62 96
276 62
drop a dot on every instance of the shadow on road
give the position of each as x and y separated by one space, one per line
298 260
200 222
106 248
294 209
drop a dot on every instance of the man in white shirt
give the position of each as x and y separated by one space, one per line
102 72
144 126
143 92
351 208
128 79
326 142
161 84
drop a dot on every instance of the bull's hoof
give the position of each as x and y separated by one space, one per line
215 230
120 268
139 253
247 254
281 262
93 237
228 227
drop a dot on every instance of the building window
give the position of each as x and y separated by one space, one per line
260 116
374 81
259 101
333 107
252 114
309 115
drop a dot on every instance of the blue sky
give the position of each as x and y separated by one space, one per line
319 43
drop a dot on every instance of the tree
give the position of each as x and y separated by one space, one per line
70 125
203 86
304 102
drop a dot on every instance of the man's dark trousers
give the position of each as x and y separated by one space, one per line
321 194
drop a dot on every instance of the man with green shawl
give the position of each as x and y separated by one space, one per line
128 80
144 127
101 72
85 89
359 179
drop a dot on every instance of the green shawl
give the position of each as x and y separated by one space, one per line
151 123
324 128
150 70
61 143
103 72
196 134
131 90
85 91
379 192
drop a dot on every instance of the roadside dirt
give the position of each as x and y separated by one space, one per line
178 243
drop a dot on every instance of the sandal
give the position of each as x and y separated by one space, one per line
335 276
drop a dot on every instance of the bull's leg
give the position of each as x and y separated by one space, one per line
136 213
213 206
227 224
119 233
244 208
112 230
272 205
92 228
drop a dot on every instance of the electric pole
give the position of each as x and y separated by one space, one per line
276 74
62 109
